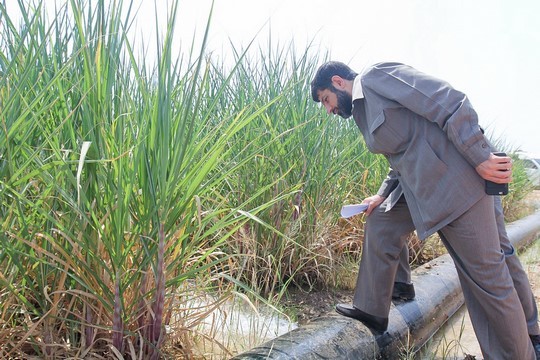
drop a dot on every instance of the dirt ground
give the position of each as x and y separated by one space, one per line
310 305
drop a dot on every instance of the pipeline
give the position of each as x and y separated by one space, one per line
411 324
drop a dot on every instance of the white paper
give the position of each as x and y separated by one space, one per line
349 210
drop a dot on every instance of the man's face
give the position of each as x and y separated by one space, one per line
337 102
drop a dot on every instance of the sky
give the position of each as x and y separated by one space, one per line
489 49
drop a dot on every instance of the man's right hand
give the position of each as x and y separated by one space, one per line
497 169
373 202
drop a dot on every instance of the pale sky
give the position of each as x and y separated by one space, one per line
489 49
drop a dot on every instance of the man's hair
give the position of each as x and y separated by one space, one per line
323 77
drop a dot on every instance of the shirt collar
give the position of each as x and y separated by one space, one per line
357 92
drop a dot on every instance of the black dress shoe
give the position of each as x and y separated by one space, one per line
535 339
403 291
377 323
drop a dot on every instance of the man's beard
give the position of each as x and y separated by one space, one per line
344 103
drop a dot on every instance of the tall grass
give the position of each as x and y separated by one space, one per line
104 164
123 185
324 161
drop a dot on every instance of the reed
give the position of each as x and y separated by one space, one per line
105 162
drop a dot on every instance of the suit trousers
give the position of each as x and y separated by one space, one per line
484 260
518 274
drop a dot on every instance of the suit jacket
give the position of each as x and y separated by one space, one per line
430 135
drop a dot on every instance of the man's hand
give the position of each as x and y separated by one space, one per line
373 202
497 169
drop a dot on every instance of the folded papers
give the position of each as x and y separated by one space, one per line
349 210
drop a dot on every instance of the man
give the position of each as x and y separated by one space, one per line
378 234
440 158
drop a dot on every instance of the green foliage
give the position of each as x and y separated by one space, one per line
520 186
121 182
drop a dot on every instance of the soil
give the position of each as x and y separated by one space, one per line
308 305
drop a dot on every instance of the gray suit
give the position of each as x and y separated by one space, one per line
430 135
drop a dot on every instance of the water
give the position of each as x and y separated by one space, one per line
231 326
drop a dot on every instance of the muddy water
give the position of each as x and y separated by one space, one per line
234 326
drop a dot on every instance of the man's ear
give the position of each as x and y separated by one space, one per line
338 82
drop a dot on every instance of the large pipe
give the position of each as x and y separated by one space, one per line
411 324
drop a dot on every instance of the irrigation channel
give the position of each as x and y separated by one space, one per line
433 326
